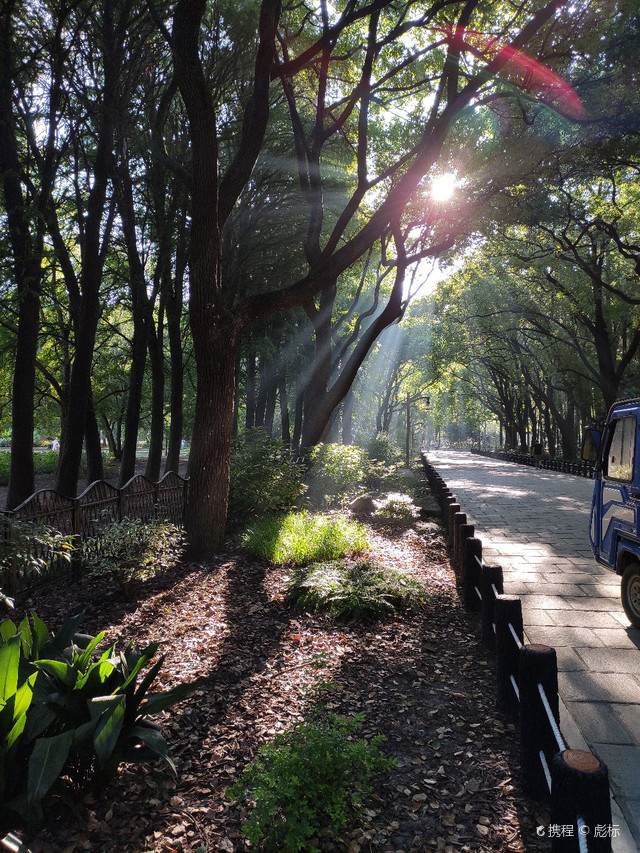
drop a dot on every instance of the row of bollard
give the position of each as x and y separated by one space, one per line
576 781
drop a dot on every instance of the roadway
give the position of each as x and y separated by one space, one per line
534 523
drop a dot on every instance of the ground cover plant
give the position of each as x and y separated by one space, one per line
308 782
421 679
303 537
134 550
361 590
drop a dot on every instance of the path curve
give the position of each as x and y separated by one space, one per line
534 523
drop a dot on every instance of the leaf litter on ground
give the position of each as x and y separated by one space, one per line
423 681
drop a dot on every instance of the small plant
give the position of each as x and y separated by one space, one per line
27 549
75 713
398 510
303 537
132 549
264 478
308 781
336 470
358 591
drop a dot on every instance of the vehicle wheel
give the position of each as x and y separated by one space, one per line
630 592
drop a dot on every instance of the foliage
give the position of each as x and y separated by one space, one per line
132 549
28 548
307 781
303 537
397 509
76 713
264 478
44 462
358 591
382 449
336 470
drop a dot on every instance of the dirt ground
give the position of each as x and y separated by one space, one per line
424 682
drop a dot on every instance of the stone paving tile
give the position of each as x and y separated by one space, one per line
611 660
599 723
585 618
546 602
598 687
538 617
630 717
575 637
627 762
590 602
616 638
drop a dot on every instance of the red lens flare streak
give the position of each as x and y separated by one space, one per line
535 77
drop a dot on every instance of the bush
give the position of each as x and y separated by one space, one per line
381 449
398 510
132 549
75 714
27 549
308 781
303 537
264 479
336 470
360 591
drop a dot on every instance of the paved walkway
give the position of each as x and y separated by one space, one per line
534 523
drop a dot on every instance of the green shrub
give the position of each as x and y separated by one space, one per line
264 479
132 549
303 537
308 781
398 510
76 714
359 591
382 449
27 548
336 470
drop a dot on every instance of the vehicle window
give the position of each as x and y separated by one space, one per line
621 450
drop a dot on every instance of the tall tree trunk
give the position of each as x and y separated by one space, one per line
285 423
156 359
28 275
206 508
95 465
250 394
347 417
92 264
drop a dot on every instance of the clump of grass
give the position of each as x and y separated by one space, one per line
303 537
359 591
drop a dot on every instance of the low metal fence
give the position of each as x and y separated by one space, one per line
564 466
575 780
83 517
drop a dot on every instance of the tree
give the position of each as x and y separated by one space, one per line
314 46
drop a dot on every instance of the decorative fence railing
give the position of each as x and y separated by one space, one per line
575 780
578 469
84 517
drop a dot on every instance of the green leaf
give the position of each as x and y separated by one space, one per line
45 765
82 660
158 702
7 629
26 638
41 632
154 741
109 713
64 637
24 696
62 671
9 662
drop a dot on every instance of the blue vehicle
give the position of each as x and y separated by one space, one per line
615 509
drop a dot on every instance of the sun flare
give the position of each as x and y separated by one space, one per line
443 186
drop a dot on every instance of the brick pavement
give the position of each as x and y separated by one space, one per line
534 523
